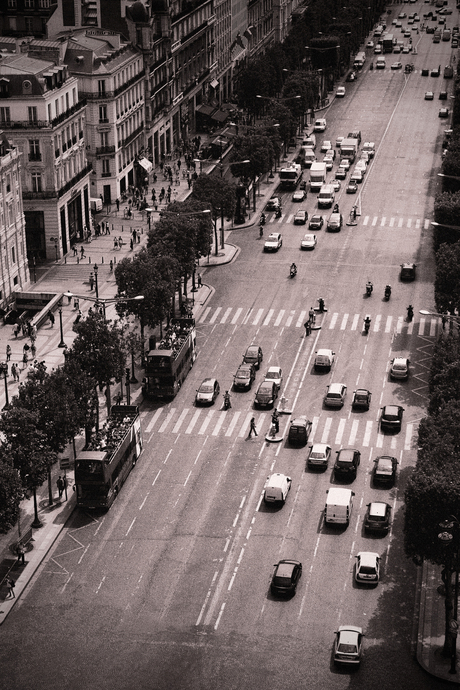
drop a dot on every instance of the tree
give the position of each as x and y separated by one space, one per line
258 150
219 195
11 492
84 389
447 284
446 211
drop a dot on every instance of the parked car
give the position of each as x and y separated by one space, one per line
285 577
399 368
378 517
361 399
253 355
348 645
245 375
391 418
207 392
444 112
385 470
320 125
367 571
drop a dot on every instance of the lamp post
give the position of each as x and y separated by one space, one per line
62 343
96 269
109 300
4 371
449 317
449 538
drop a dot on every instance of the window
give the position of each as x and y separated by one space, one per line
5 116
29 4
44 4
74 96
32 110
34 150
49 112
29 24
106 167
103 113
104 138
8 183
36 182
101 87
11 4
67 105
56 106
13 255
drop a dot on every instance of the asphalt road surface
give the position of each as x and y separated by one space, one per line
170 589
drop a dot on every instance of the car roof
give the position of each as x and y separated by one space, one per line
274 370
286 566
361 391
300 421
320 447
208 380
400 360
266 384
347 452
252 348
385 460
378 508
336 387
367 557
392 409
274 235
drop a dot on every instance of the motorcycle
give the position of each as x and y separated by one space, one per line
410 312
293 271
227 403
278 213
321 306
367 324
262 219
335 209
387 293
371 66
261 230
369 288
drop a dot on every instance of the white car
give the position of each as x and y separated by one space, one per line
357 176
345 164
348 646
338 141
361 165
273 242
274 374
340 93
308 242
320 125
367 567
325 146
299 195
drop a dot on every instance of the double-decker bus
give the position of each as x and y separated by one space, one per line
101 469
291 176
167 366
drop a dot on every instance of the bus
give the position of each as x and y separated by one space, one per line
360 59
388 43
101 469
291 176
167 366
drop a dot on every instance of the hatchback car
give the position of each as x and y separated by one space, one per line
275 374
308 242
361 399
367 571
340 173
391 418
345 164
408 271
348 645
396 65
299 195
285 577
335 395
319 455
378 517
378 50
357 176
320 125
336 185
266 394
340 93
444 112
301 217
273 242
329 162
385 470
429 95
443 95
207 392
352 187
273 204
316 222
334 222
253 355
399 368
346 463
325 146
299 430
245 375
338 141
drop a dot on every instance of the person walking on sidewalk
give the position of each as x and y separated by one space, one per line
252 428
10 583
14 372
82 252
21 553
60 486
91 282
51 318
118 204
8 352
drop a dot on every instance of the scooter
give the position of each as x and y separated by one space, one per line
262 219
369 288
410 312
278 213
293 271
227 403
367 324
261 230
387 293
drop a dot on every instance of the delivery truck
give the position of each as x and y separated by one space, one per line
318 172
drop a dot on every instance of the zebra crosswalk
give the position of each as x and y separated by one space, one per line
285 318
334 430
391 222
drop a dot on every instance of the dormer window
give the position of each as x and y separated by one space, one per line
4 87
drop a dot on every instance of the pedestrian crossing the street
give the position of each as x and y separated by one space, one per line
334 430
391 222
285 318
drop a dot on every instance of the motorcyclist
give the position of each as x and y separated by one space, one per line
387 291
367 323
278 212
369 288
227 403
293 270
321 304
262 219
410 312
335 209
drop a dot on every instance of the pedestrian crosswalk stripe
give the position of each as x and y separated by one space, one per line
407 440
383 220
220 421
340 430
289 318
433 324
215 315
206 422
193 421
226 315
237 315
392 222
354 325
400 222
378 318
326 430
258 317
354 431
167 420
367 434
233 424
178 424
279 317
333 321
268 317
151 424
389 321
379 442
300 320
409 222
344 322
399 324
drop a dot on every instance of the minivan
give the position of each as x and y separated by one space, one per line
299 430
339 505
277 488
326 196
381 63
324 360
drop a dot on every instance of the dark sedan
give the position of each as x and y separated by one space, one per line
285 577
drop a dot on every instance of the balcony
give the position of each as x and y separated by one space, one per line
24 124
68 113
133 135
130 82
106 174
35 156
104 150
104 120
31 196
71 183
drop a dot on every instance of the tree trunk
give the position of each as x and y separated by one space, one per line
449 607
50 487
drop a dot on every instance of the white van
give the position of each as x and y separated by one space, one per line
339 504
324 360
95 204
277 488
326 196
380 63
309 141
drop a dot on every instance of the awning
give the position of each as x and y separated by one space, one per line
219 116
204 109
146 164
214 83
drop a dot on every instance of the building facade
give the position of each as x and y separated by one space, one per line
42 115
14 271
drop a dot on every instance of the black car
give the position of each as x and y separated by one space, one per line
316 222
408 271
346 463
253 355
245 375
361 399
385 470
299 430
377 518
285 577
391 418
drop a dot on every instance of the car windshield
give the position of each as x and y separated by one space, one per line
206 388
367 570
242 373
272 375
347 648
399 366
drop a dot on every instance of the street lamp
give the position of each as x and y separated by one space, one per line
109 300
96 269
62 343
4 371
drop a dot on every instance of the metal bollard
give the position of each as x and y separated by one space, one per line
102 260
